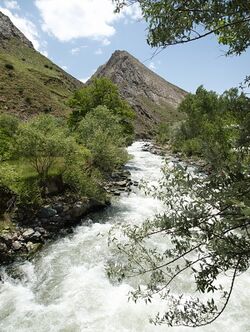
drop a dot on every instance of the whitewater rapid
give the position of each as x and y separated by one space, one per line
65 288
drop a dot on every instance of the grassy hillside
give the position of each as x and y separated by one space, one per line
30 83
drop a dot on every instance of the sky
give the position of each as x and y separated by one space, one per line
81 35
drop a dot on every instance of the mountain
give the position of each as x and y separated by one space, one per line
29 82
153 98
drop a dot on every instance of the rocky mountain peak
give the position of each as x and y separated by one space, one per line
152 97
8 30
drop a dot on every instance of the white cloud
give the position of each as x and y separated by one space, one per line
84 80
27 27
106 42
75 51
134 11
152 65
69 19
64 67
99 51
45 53
11 4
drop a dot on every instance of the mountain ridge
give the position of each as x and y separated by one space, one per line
153 98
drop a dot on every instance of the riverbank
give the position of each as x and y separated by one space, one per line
165 150
25 231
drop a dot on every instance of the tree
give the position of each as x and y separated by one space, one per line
41 141
101 132
205 228
102 92
213 126
203 235
204 231
172 22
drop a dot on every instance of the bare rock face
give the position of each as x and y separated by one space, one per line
8 31
153 98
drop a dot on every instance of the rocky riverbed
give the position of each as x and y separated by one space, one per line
163 151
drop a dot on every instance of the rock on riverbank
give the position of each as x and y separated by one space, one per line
56 217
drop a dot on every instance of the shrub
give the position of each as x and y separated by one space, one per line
20 90
163 133
28 100
48 109
100 131
8 127
102 92
9 66
29 191
41 141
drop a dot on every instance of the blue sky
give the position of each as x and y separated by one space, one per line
81 35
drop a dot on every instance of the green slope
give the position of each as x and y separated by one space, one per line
30 83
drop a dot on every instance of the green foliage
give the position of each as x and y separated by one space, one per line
78 173
41 141
8 128
8 175
29 191
174 22
163 133
101 132
214 127
102 92
44 146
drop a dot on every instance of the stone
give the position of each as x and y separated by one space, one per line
3 247
6 238
7 197
33 247
28 233
95 205
16 245
41 230
36 235
46 212
121 183
58 207
56 218
79 209
54 185
20 238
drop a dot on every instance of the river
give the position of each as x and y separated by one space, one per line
65 287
